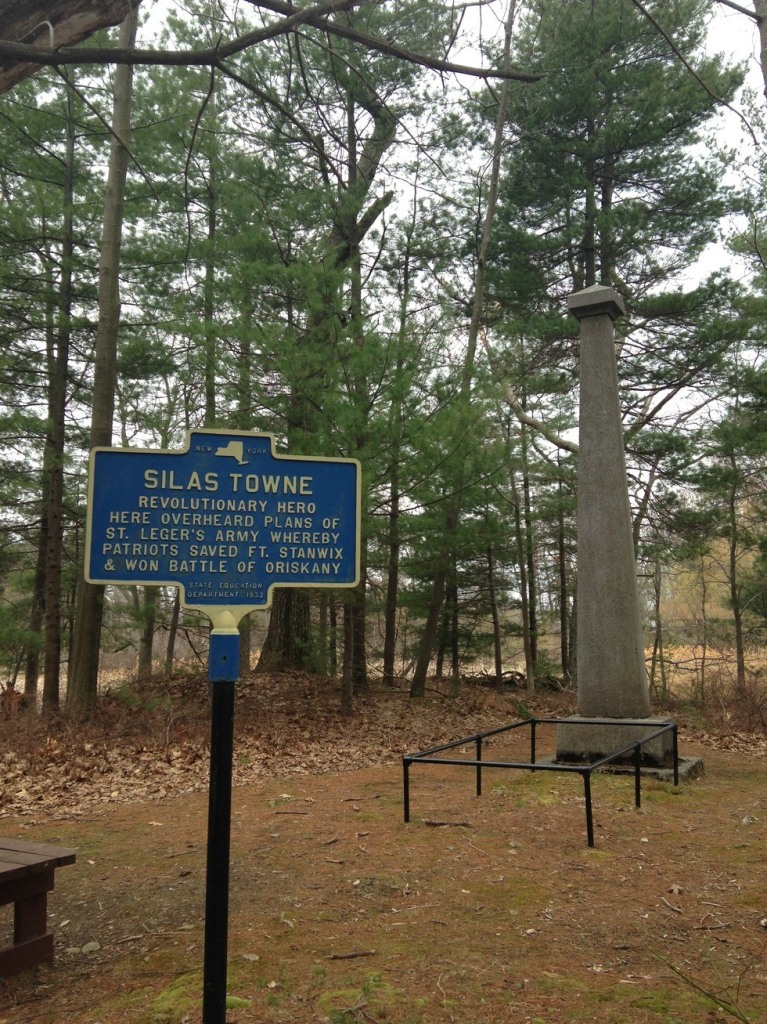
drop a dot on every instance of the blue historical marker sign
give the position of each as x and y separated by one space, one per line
225 519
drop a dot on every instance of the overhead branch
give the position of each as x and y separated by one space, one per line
384 46
316 16
58 56
741 10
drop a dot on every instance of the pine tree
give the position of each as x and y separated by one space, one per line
84 663
607 182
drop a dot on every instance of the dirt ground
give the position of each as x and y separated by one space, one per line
482 909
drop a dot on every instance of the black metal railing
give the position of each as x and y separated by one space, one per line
584 770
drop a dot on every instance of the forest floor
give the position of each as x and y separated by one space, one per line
489 910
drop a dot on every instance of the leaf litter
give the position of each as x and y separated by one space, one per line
497 912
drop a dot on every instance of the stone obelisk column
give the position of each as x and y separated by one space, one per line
612 679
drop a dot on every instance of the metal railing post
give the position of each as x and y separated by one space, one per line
532 741
589 818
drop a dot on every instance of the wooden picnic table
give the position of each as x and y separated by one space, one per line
26 878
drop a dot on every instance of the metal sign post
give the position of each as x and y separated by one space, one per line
226 520
224 658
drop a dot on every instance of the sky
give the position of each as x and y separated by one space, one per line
734 34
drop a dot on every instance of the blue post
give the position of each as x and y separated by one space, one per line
223 671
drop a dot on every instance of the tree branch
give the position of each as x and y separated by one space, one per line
740 10
193 58
316 16
519 411
543 429
383 46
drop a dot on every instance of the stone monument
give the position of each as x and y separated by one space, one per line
612 679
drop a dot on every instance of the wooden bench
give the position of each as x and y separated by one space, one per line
26 878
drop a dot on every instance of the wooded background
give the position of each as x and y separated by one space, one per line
308 223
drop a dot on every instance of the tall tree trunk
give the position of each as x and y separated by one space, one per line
37 612
148 613
429 635
333 638
573 648
701 682
658 662
523 588
497 647
83 669
590 218
170 648
453 512
359 621
392 565
529 539
361 396
455 650
564 589
323 634
55 440
32 662
209 288
392 578
734 584
288 639
246 642
606 257
347 680
439 661
244 421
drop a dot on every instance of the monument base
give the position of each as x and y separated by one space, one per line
689 768
582 740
